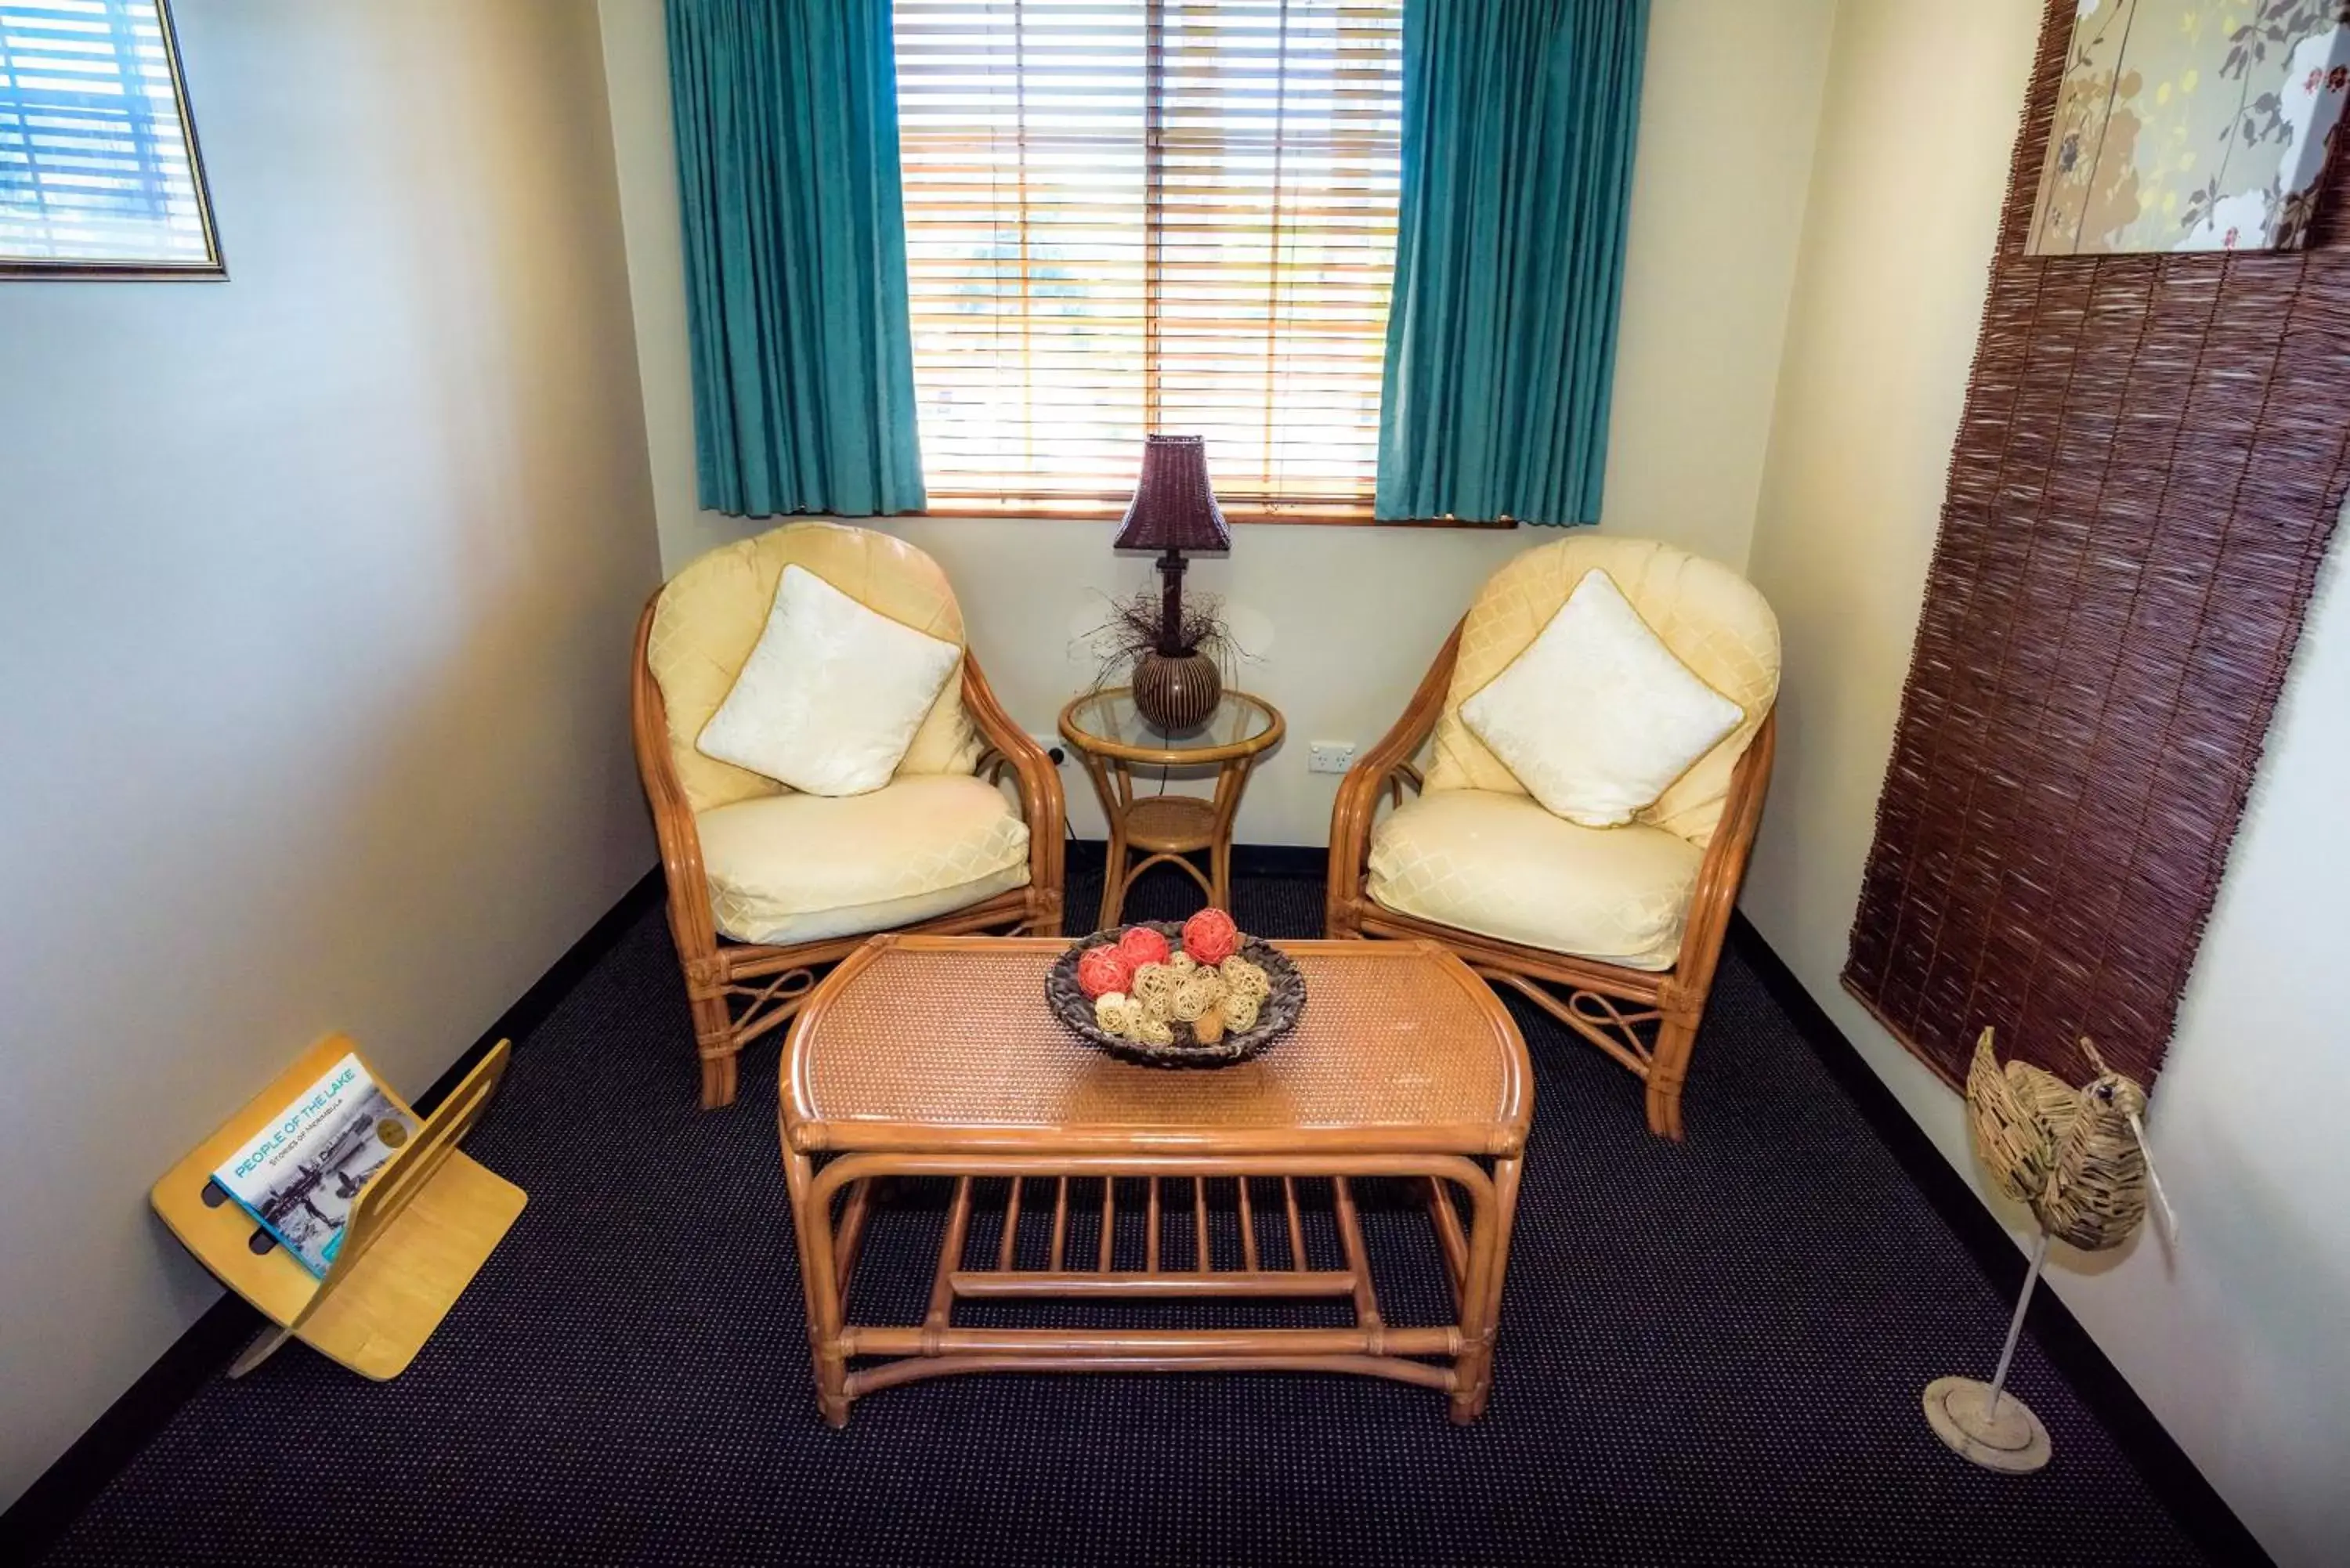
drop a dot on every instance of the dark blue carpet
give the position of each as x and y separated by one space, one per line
1709 1353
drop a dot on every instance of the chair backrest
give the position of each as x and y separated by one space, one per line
710 617
1710 617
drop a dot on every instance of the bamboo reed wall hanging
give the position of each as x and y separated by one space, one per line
2152 455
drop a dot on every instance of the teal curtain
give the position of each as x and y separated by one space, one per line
786 114
1519 119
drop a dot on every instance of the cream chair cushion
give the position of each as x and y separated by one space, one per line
1597 718
830 697
1711 618
1498 863
711 613
800 867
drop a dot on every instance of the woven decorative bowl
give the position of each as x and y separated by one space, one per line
1275 1018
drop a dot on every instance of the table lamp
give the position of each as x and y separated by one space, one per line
1176 686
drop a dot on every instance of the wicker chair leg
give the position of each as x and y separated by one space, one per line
717 1082
714 1043
1667 1068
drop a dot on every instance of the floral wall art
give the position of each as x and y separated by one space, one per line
2193 125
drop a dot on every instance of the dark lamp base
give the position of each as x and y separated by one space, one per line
1178 692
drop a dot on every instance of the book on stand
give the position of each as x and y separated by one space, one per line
299 1176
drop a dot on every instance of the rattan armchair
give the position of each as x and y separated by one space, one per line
740 989
1643 1018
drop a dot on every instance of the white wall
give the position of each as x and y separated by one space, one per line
1346 619
315 621
2238 1341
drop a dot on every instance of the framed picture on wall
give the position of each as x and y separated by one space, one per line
2193 125
99 173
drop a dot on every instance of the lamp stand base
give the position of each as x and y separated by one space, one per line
2010 1438
1178 694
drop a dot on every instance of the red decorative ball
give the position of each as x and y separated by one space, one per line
1103 969
1142 945
1209 937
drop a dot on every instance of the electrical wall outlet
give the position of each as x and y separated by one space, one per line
1329 756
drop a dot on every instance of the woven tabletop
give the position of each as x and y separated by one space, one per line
946 1043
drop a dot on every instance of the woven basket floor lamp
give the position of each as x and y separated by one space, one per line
2078 1157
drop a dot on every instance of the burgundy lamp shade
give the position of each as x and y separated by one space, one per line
1174 507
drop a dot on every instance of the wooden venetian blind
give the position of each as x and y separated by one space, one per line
1149 215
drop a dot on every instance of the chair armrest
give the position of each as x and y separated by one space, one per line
1724 866
1386 765
690 921
1034 775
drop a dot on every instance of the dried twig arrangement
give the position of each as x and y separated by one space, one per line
1131 629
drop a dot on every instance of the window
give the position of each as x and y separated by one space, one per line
99 171
1171 215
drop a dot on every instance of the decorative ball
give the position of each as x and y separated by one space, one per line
1142 945
1200 991
1154 1032
1182 963
1211 936
1153 988
1112 1012
1242 978
1102 970
1240 1011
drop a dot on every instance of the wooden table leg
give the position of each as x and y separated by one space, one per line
819 1282
1219 863
850 1237
1113 878
1450 1239
1481 1317
1231 781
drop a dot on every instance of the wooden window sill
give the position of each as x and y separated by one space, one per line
1091 512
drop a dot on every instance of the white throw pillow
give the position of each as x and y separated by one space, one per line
1597 718
830 698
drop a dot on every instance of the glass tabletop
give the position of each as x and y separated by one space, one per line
1111 716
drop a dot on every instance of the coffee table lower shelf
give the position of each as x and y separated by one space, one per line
1455 1358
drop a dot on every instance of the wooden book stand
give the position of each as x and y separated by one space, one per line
416 1235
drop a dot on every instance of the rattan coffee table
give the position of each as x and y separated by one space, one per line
935 1056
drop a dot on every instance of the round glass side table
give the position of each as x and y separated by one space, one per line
1112 739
